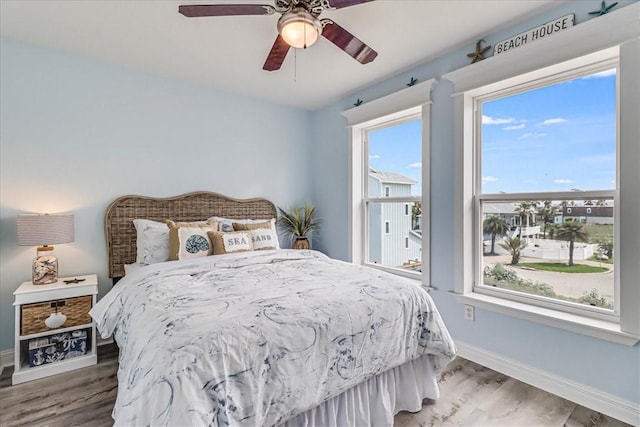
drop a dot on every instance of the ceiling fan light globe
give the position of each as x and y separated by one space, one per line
299 28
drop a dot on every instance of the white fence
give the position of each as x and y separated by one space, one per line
553 250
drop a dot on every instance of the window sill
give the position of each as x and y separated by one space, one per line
602 329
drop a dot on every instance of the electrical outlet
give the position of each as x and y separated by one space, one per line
468 312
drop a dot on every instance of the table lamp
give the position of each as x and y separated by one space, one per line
45 230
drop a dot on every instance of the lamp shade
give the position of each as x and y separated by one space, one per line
45 229
299 28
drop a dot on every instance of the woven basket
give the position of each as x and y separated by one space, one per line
34 315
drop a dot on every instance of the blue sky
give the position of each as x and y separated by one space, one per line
556 138
398 149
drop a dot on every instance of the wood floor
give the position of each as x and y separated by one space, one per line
472 395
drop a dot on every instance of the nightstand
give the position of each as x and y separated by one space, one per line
53 330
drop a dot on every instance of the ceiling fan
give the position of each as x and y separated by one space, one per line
299 26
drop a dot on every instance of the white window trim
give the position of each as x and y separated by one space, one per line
415 99
618 28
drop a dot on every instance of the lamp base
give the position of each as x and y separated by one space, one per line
45 267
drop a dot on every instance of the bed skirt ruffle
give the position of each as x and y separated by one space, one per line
375 401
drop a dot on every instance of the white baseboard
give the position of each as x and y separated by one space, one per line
591 398
6 356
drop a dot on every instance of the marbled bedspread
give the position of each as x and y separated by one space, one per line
253 339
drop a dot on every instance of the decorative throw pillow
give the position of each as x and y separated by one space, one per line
233 241
238 226
261 225
226 224
264 238
152 241
190 239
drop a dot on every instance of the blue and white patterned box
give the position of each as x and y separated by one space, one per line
57 347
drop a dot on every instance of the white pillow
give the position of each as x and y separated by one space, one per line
130 268
152 241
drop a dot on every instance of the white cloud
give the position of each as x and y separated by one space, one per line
563 181
514 127
553 121
532 135
415 165
488 120
489 179
374 157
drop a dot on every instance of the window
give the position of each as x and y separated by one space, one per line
388 147
551 120
518 163
394 153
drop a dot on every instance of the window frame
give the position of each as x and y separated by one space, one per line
569 195
585 44
413 101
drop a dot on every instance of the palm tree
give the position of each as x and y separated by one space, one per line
497 227
514 245
572 231
547 213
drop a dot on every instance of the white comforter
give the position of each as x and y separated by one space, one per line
253 339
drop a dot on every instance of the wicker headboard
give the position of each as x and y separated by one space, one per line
197 206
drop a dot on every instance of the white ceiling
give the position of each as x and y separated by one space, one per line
228 52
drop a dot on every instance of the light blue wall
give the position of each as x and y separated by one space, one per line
77 133
603 365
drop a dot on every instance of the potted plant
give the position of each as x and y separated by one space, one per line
298 223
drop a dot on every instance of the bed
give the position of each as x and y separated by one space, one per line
269 337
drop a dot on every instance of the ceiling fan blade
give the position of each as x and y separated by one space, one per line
339 4
197 10
276 56
347 42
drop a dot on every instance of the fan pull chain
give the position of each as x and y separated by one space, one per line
295 65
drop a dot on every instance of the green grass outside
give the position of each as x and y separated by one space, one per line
563 268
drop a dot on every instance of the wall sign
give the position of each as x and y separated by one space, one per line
543 31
